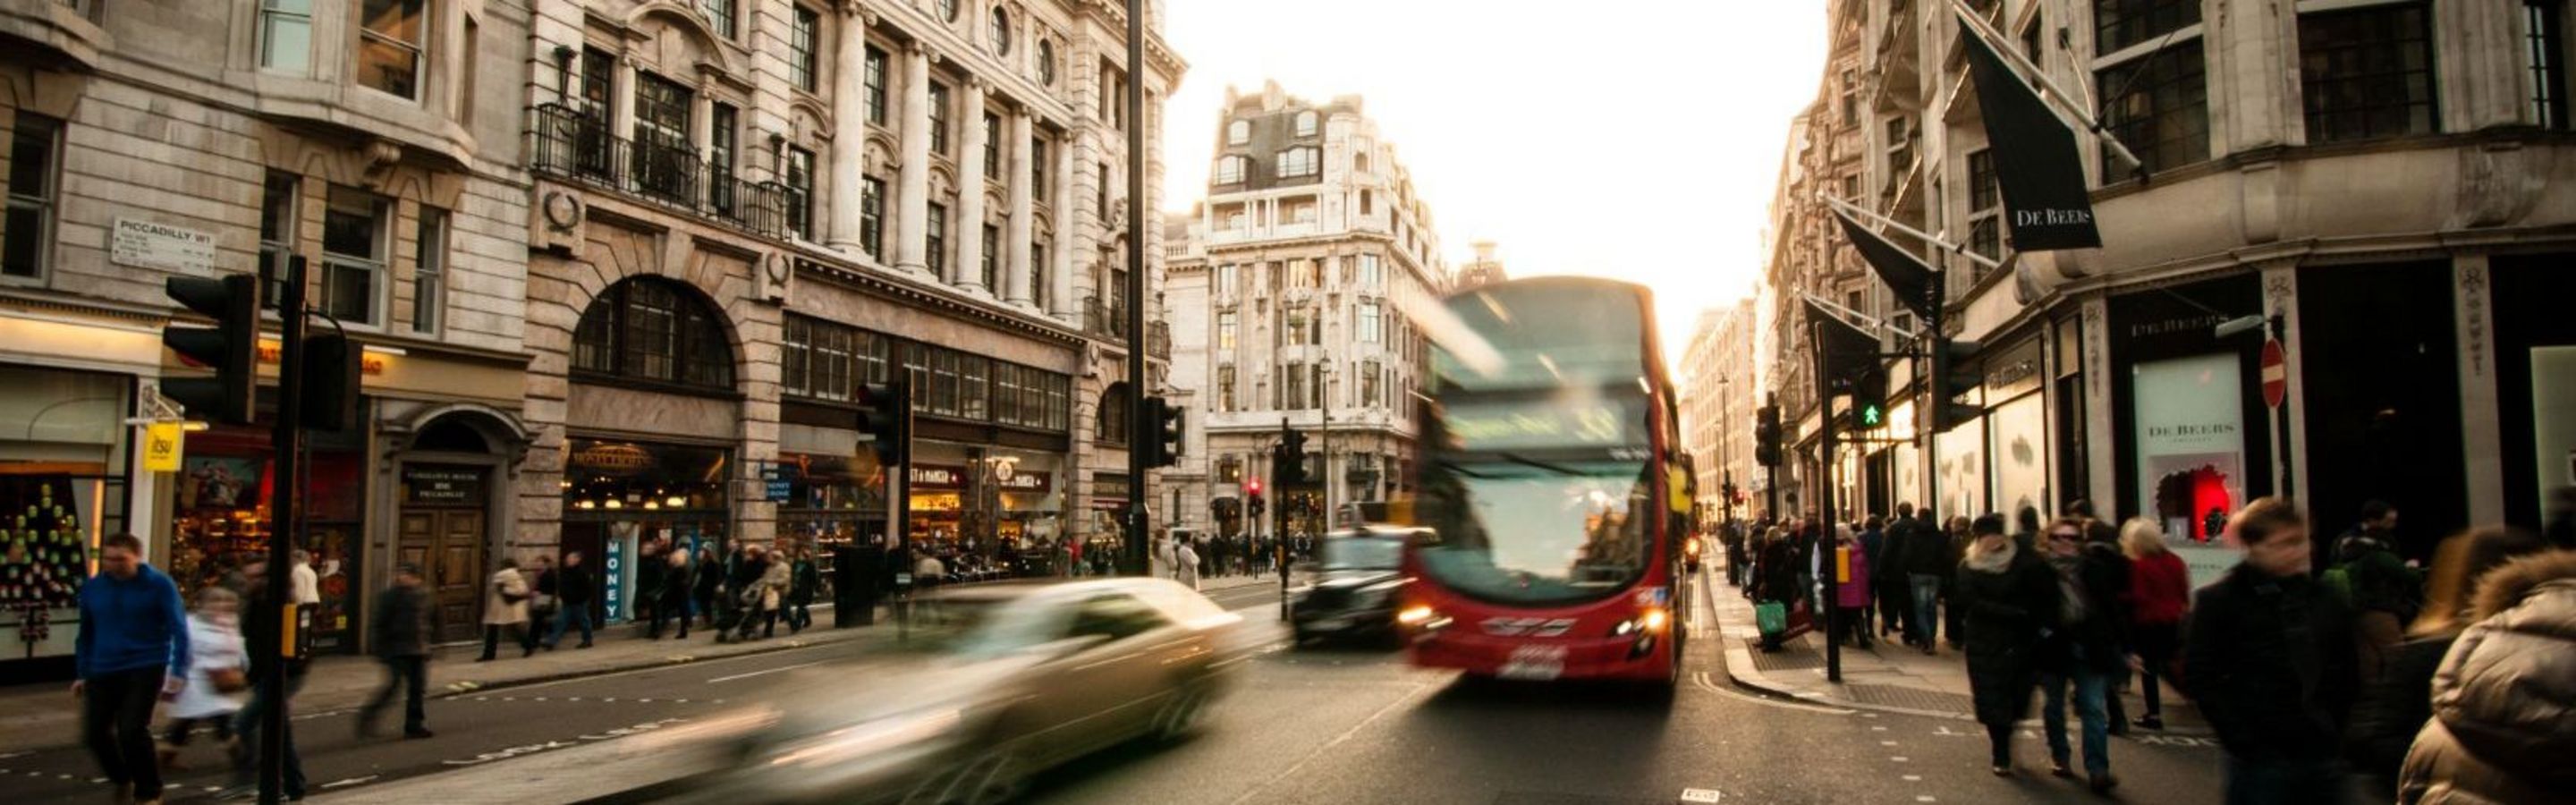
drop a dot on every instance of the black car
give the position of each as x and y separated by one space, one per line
1353 593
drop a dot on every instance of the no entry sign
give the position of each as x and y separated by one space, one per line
2276 374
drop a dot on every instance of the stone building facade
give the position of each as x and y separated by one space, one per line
2422 364
1718 397
746 212
1306 253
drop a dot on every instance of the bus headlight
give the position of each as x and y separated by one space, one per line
1650 621
1419 617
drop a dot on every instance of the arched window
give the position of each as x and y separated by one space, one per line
1307 121
1114 419
1046 62
1238 132
654 330
948 10
1001 32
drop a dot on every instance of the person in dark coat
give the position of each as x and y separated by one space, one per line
671 602
804 581
2007 597
2269 657
400 623
1776 565
2500 731
1925 564
2394 708
1955 618
742 593
709 573
649 567
1895 592
2084 647
575 586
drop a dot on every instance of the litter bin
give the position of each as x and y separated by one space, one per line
856 571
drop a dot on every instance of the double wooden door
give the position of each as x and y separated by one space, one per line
447 546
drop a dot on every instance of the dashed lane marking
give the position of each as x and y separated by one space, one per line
1887 743
350 782
1923 798
1701 795
1897 759
1914 778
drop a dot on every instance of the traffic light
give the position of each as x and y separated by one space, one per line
1164 433
1256 506
1869 400
231 347
1292 459
1766 435
333 365
1954 375
885 415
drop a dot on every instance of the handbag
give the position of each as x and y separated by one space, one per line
1771 617
228 680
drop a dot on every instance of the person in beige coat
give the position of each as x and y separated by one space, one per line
2502 730
505 606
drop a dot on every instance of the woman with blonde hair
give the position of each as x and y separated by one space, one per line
2159 595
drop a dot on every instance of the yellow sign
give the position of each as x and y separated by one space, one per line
162 443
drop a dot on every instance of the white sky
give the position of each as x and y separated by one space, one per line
1640 144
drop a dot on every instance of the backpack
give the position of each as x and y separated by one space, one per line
2338 580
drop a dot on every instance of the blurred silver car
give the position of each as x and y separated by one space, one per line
995 682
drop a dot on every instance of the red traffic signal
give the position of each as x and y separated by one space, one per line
1252 486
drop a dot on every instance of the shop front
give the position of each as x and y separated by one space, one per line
984 500
220 517
63 482
2189 419
619 494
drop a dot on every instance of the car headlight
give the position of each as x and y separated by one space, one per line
866 738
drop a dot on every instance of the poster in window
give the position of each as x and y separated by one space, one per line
2191 443
220 482
2020 455
44 552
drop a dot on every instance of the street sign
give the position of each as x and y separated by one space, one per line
2276 374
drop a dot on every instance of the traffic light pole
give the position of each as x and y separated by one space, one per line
1830 551
1933 415
285 529
1138 427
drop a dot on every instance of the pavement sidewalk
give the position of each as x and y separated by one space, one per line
41 716
1888 676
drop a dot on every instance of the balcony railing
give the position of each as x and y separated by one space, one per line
579 145
1104 319
1158 340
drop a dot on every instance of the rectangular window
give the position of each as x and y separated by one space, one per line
938 118
992 146
796 356
1296 162
1985 205
1038 168
353 256
875 81
1371 275
720 16
803 42
1100 203
429 273
872 216
1225 387
1368 384
664 159
2158 106
723 154
276 226
992 261
1851 99
286 35
1040 275
1369 332
946 390
391 39
1225 279
2367 73
1006 393
800 192
34 147
1113 96
916 370
2545 53
1225 330
2118 24
873 353
834 351
1296 387
1320 370
974 395
936 245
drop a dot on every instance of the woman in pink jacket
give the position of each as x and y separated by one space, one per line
1851 597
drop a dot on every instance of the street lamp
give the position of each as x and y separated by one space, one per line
1325 385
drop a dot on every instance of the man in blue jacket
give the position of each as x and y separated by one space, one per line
132 649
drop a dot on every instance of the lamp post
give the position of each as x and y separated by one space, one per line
1324 387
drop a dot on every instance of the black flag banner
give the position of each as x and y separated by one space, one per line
2046 204
1849 353
1904 274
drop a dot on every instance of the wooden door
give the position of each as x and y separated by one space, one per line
447 546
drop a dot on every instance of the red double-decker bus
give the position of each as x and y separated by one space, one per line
1552 487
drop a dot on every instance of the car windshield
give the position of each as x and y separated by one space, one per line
1362 553
975 626
1535 532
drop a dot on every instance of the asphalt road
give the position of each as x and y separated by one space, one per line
1314 724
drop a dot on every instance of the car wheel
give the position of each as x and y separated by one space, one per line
1181 712
991 777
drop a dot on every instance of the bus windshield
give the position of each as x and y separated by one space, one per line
1538 484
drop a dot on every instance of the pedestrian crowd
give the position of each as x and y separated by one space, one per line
2331 673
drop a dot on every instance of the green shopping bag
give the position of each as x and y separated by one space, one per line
1771 617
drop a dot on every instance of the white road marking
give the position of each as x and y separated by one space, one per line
1914 778
1887 743
98 779
1923 798
214 789
1877 728
1701 795
350 781
1897 759
763 671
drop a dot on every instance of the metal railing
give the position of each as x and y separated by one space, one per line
1104 319
579 145
1158 340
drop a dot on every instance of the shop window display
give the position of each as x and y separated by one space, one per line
46 553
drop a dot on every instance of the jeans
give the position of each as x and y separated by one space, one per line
2090 686
569 615
2277 781
411 674
247 725
1927 607
116 722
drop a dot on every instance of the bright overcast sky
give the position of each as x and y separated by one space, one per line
1641 145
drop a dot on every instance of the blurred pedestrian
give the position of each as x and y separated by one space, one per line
217 674
745 585
2561 530
1776 564
505 608
272 651
777 574
2159 594
2008 596
2500 730
649 567
804 581
307 585
1890 586
2083 648
132 650
2026 528
2268 656
1954 618
401 626
1851 592
709 573
2392 710
541 604
671 600
574 589
2381 590
1925 563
